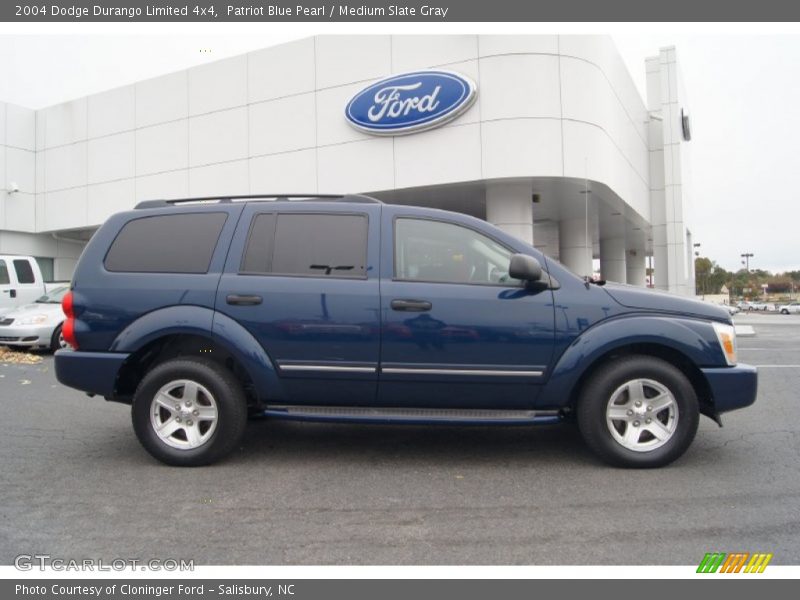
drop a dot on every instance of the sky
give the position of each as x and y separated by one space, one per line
744 101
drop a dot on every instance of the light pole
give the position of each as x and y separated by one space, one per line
697 255
747 256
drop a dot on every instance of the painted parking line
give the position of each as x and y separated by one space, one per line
776 349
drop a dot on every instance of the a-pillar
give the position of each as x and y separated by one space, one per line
509 207
612 259
575 246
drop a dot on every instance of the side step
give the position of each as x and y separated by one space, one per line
413 416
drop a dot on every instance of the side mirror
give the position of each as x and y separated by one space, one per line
525 268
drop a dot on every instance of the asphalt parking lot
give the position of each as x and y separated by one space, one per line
76 484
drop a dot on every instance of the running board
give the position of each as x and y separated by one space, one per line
414 416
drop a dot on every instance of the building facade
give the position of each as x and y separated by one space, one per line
558 147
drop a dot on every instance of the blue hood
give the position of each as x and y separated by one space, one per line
648 299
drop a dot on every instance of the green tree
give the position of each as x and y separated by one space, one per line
702 269
709 277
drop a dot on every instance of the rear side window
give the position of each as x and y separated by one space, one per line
317 245
178 243
24 271
4 279
258 254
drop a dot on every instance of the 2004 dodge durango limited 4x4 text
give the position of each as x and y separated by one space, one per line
202 312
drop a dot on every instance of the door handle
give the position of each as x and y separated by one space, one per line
411 305
243 299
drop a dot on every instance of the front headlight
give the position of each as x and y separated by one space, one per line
726 335
31 320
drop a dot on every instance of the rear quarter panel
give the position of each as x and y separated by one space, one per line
107 302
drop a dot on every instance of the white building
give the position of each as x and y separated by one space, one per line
559 147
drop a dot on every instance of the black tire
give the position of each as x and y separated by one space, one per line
227 395
784 312
597 393
55 339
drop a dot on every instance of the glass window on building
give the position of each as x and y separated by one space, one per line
47 269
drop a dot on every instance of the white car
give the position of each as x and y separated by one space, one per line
765 306
36 325
793 308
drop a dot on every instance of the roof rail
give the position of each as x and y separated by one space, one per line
357 198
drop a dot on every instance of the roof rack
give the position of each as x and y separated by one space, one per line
357 198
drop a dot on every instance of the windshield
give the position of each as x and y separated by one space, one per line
54 296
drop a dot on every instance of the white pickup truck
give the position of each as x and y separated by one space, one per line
21 282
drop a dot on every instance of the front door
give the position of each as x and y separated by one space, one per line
457 331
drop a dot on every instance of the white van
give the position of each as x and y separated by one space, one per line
21 281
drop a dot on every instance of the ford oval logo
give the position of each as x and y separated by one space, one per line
410 102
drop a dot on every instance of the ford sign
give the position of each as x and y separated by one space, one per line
410 102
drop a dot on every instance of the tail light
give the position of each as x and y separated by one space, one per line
68 328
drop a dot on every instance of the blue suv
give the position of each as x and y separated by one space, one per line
202 312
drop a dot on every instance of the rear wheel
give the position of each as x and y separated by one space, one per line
189 412
639 411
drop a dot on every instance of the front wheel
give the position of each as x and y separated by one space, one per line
784 312
189 412
638 411
57 341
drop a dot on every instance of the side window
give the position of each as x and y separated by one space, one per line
4 279
321 245
24 271
176 243
446 253
258 252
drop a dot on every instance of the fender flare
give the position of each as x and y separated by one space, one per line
694 339
205 322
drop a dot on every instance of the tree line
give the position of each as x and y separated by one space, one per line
710 278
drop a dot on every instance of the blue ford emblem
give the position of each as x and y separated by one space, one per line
410 102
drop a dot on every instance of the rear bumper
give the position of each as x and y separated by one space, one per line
732 387
91 372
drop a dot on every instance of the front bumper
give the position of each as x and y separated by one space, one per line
90 372
26 335
732 387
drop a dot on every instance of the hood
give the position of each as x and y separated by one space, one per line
632 296
34 309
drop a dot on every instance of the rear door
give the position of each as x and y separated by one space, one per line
457 331
303 279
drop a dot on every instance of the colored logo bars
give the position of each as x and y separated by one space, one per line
735 562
